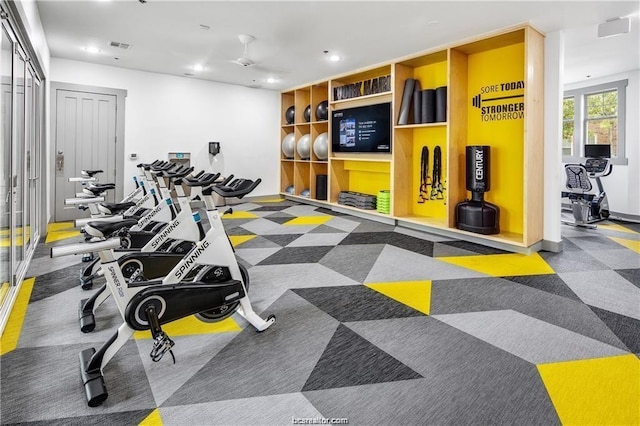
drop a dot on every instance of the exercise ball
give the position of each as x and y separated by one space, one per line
322 111
289 189
288 145
305 193
290 114
307 113
304 146
321 146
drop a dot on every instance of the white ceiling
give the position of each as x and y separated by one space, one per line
291 36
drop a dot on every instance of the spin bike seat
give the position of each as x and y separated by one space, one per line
89 173
105 229
238 188
115 208
203 180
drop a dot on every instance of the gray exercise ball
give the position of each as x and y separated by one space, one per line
288 145
304 146
321 146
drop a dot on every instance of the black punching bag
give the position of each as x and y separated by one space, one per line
477 215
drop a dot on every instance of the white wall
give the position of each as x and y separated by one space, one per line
623 185
166 113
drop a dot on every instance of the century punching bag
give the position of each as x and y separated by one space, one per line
477 215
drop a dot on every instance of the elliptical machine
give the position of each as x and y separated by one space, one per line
588 208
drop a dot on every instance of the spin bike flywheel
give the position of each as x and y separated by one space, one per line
222 312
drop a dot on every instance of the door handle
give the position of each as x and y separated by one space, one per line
60 161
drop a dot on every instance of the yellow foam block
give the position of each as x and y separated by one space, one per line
236 240
616 227
503 265
11 335
240 215
153 419
601 391
415 294
190 326
630 244
309 220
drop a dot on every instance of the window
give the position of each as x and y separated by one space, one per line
594 115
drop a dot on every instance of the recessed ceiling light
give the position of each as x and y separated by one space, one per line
198 67
92 49
271 80
334 58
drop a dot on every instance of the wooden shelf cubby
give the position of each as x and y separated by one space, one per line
494 97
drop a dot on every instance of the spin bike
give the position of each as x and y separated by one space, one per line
217 291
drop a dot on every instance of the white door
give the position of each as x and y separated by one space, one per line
85 138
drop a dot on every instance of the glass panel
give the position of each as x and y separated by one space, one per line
604 104
568 124
19 159
603 131
28 144
36 152
5 164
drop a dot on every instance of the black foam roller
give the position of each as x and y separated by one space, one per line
441 104
405 106
428 106
321 187
417 102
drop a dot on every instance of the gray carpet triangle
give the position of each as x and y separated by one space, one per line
324 229
330 212
631 275
121 418
550 283
283 239
350 360
279 219
354 261
406 242
289 255
56 282
238 229
626 328
355 303
271 208
446 250
476 248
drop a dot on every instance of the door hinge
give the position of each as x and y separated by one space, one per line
4 15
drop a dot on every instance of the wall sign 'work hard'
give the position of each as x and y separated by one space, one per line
500 101
363 88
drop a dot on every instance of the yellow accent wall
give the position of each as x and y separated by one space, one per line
506 137
368 177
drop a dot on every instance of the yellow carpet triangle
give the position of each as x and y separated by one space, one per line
415 294
4 290
630 244
271 200
153 419
616 227
190 326
601 391
236 240
240 214
309 220
503 265
11 335
60 231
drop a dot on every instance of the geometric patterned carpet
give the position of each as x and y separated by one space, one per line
376 324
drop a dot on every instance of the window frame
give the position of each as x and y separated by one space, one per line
581 121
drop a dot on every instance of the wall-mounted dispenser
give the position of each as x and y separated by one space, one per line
214 148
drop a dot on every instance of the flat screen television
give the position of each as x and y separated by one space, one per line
597 151
362 129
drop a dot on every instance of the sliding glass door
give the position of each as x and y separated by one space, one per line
21 115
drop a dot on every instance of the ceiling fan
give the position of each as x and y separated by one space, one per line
244 60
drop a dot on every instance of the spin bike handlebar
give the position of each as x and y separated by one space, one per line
81 248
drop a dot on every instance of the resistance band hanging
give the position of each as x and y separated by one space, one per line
437 189
424 175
